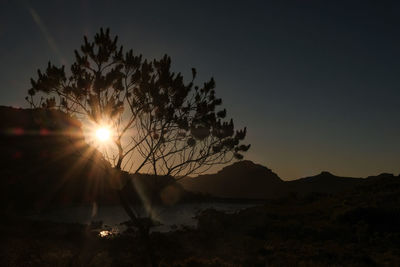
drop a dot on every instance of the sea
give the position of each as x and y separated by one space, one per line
110 218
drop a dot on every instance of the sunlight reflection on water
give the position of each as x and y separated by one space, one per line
104 233
107 232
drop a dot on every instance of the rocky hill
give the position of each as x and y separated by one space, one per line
248 180
243 179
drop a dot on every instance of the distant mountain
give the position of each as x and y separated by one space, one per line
324 182
45 161
243 179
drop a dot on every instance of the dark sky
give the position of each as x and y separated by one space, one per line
316 82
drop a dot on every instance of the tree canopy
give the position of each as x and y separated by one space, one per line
161 122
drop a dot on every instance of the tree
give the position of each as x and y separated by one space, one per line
172 127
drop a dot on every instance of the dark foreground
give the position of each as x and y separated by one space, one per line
357 228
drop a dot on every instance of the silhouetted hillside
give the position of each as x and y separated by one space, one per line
354 228
44 160
358 227
246 179
243 179
324 182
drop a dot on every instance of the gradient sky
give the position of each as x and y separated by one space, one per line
316 82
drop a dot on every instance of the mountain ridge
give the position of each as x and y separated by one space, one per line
46 159
228 182
245 174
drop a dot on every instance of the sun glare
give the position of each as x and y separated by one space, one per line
103 134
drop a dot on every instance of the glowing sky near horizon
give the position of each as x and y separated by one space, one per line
315 82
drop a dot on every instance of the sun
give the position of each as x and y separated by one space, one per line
103 134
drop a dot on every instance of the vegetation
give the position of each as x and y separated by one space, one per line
171 125
161 124
357 228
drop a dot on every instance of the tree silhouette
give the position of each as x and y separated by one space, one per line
172 127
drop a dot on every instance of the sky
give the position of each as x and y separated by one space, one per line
315 82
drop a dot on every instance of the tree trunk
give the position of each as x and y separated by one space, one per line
143 227
120 155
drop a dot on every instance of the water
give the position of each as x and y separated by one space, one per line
170 218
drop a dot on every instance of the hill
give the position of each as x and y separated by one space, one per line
324 182
242 179
354 228
45 161
247 180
